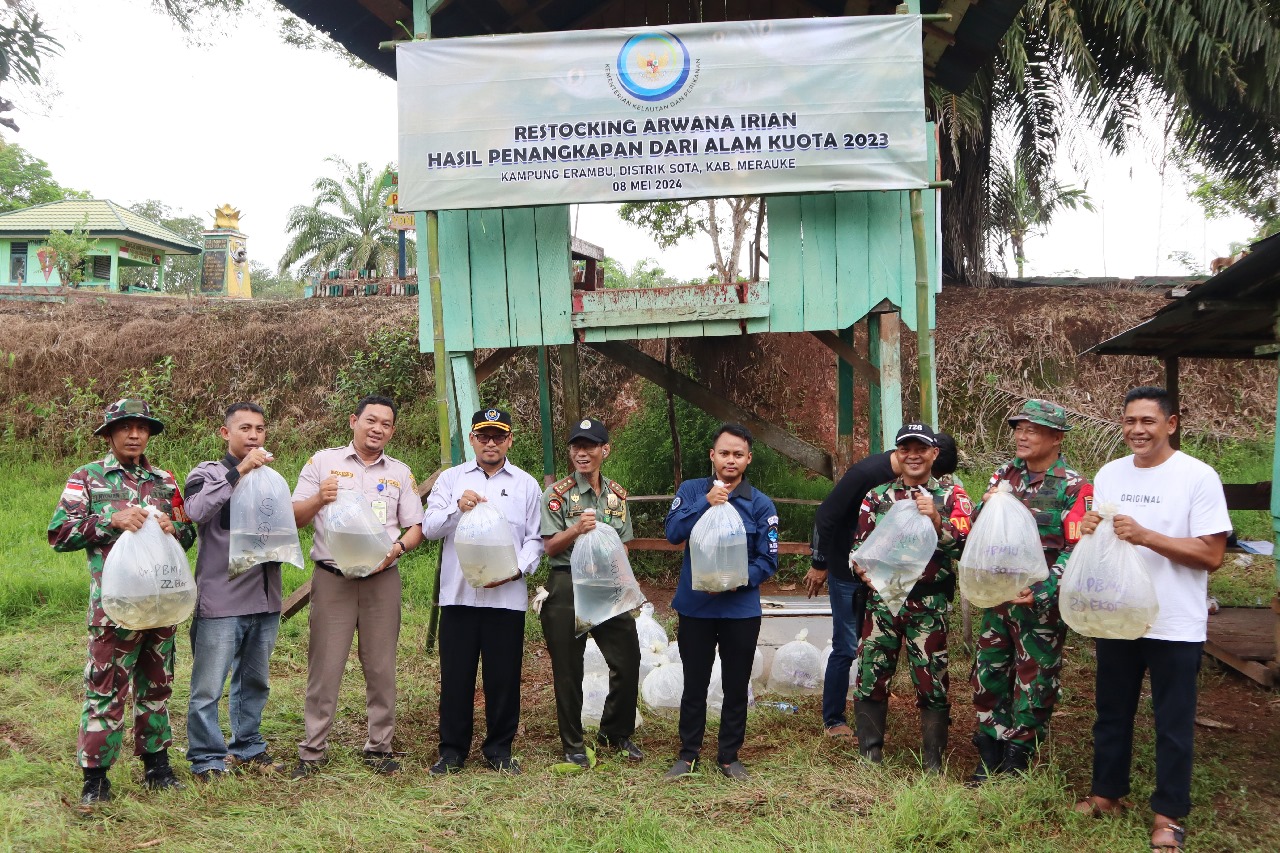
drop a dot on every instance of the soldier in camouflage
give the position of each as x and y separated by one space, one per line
1019 654
921 624
101 501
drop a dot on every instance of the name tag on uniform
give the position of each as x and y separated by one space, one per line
380 511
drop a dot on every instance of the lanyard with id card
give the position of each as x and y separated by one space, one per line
380 506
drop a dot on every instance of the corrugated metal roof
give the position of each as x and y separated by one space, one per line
954 50
97 216
1229 316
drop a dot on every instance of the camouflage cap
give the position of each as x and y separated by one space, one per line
126 409
1044 413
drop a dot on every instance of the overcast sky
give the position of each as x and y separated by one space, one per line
247 120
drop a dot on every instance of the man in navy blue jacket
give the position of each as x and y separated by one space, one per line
728 619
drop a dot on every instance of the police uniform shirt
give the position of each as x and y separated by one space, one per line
564 503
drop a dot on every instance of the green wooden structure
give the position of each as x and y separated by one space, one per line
122 239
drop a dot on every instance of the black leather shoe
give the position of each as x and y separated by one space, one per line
1017 758
445 766
213 774
734 770
680 769
622 746
382 763
578 758
159 775
96 790
504 765
304 768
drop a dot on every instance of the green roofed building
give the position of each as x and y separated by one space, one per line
123 239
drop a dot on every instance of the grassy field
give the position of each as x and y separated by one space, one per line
806 793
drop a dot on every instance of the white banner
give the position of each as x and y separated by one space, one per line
688 111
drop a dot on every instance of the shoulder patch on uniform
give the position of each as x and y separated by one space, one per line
562 488
676 503
773 519
617 490
554 504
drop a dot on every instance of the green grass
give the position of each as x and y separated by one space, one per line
806 793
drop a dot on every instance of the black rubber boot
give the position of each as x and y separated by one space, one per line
868 720
990 756
1017 757
934 724
159 775
96 787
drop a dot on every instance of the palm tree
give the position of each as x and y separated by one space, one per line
1071 70
1016 212
346 226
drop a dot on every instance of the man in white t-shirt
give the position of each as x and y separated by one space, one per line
1172 507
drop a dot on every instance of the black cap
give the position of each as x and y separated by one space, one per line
590 429
920 432
491 418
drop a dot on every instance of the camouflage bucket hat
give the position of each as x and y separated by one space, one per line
1044 413
123 410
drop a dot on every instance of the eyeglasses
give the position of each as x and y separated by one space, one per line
1026 429
490 437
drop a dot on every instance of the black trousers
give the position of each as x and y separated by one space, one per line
1174 667
469 635
620 646
698 640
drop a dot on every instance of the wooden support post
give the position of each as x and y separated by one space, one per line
677 455
544 415
466 392
1171 385
890 358
924 334
843 347
875 426
844 407
1275 500
788 445
570 385
496 359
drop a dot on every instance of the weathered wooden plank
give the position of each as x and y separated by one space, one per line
297 600
455 279
875 415
586 250
852 276
491 323
629 317
624 302
786 277
467 394
758 291
523 302
888 234
850 356
890 377
704 398
426 325
555 282
496 359
818 215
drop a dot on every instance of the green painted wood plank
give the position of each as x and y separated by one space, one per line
758 291
491 323
875 414
888 232
786 277
890 377
523 300
455 279
819 216
624 301
466 392
907 263
426 325
852 268
630 317
555 285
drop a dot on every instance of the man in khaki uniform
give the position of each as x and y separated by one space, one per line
571 508
341 606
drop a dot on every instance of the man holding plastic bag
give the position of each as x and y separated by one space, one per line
573 508
729 619
1172 507
911 588
101 502
368 601
485 622
1019 653
237 618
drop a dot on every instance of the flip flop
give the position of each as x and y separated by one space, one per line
1095 806
1178 832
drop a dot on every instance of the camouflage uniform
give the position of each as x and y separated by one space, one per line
1019 654
118 657
922 622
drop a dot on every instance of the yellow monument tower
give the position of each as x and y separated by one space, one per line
224 269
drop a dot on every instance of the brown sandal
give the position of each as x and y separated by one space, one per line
841 732
1095 806
1175 830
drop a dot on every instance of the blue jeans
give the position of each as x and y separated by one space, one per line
845 629
240 646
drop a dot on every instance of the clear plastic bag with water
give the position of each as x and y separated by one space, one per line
483 542
896 553
663 688
593 659
649 657
1105 589
595 689
603 584
1003 554
146 579
715 690
262 526
718 550
355 539
648 628
796 667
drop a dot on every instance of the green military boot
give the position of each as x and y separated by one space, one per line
990 754
159 775
868 720
96 787
934 723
